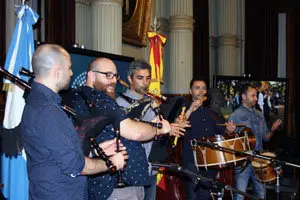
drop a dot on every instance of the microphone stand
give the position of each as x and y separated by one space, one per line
196 178
276 162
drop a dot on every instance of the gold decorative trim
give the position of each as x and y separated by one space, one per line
181 23
8 87
84 2
228 40
135 30
106 1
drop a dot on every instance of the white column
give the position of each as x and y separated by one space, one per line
227 40
241 38
83 23
181 46
107 26
213 37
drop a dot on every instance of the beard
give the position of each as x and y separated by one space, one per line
107 89
111 94
251 104
141 90
198 97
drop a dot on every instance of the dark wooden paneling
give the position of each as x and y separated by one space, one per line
60 22
261 38
2 32
201 39
296 68
2 55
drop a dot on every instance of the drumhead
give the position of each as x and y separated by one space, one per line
261 163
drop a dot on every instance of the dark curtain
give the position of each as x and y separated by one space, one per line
295 86
60 22
261 38
201 39
2 33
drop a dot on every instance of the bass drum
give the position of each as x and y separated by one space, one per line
264 170
212 158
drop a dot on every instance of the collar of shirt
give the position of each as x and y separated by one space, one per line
39 90
248 109
132 95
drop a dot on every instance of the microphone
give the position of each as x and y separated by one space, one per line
181 118
172 166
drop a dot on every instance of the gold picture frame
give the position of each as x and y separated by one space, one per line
135 29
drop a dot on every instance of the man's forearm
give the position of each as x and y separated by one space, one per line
137 131
93 166
188 113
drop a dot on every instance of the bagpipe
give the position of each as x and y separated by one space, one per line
87 128
168 108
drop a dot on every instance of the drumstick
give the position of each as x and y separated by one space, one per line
238 125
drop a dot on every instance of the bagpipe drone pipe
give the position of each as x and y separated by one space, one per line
87 128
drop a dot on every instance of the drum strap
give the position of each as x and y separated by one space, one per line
244 165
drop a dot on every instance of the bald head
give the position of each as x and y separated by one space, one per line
52 66
46 56
101 64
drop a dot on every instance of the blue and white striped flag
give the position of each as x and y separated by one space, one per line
14 172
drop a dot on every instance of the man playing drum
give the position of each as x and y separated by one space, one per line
202 125
248 115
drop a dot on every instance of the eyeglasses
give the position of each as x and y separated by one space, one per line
109 75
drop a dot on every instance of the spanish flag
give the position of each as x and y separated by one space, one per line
156 60
161 179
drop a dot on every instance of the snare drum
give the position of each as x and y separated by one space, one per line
212 158
263 168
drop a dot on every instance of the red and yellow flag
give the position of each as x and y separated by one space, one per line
156 59
161 179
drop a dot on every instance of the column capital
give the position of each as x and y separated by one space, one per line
107 1
181 23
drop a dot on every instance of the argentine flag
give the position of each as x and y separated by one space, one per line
14 172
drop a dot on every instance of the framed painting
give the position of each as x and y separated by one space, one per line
136 17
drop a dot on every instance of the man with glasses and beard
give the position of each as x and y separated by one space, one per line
247 114
202 125
96 98
56 164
